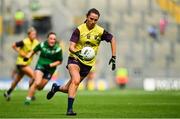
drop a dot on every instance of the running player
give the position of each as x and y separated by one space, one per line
22 67
50 57
87 34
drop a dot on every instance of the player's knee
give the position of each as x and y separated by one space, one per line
39 87
76 82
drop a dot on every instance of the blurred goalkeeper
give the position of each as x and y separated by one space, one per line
50 57
87 34
23 47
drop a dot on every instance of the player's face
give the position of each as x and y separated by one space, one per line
32 35
52 40
92 20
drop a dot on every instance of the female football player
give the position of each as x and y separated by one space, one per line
50 57
22 67
87 34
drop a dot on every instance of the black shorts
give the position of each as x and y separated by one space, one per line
19 68
46 74
84 69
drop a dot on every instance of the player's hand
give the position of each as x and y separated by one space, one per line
113 62
47 66
25 59
78 53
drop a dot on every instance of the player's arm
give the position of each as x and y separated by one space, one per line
72 47
73 40
35 50
56 63
59 59
17 47
113 46
53 64
109 38
30 54
113 50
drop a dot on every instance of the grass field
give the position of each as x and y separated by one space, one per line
96 104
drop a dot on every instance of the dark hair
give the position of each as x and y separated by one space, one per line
51 33
93 10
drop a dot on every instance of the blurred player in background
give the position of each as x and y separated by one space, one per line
50 57
87 34
122 77
19 18
22 67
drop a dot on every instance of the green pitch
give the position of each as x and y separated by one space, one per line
96 104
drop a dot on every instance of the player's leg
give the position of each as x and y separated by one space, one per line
30 73
38 79
17 77
74 71
46 77
42 84
64 88
15 82
55 88
75 79
70 87
14 73
77 73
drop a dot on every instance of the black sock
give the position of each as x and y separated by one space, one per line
70 103
9 91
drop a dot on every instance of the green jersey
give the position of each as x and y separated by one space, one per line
48 55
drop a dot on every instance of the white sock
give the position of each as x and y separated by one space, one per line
28 98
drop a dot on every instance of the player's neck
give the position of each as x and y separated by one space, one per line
89 27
